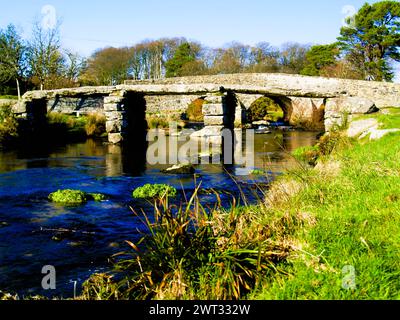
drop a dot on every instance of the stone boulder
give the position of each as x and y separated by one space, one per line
180 169
361 127
376 134
335 107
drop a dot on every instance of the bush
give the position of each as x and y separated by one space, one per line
152 191
189 252
8 125
154 122
325 146
195 111
265 109
307 154
95 125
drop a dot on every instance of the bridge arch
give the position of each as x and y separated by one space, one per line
272 107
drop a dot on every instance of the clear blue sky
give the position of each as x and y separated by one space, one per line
88 24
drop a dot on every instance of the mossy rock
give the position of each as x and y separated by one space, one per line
152 191
68 196
74 197
97 197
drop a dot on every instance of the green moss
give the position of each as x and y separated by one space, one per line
68 196
150 191
74 197
97 197
257 172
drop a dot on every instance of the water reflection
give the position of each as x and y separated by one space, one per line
271 152
27 177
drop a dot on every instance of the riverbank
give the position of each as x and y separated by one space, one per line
350 247
324 232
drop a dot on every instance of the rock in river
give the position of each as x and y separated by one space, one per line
180 169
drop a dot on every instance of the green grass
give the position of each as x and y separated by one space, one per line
8 97
357 214
91 125
388 121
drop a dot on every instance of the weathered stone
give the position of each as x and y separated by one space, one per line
376 134
213 120
208 131
351 105
213 109
114 107
214 99
180 169
360 127
115 138
115 115
113 99
260 123
114 126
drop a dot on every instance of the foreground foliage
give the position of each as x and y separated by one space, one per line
191 252
8 125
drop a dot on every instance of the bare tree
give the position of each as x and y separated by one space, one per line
45 57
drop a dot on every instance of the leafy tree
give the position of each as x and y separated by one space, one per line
183 55
318 58
12 56
372 39
108 66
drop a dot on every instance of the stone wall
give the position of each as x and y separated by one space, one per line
167 105
81 105
383 94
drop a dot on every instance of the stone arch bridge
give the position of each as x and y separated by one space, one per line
306 101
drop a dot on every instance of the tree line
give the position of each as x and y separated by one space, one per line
366 49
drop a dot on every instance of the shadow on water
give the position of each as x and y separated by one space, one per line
79 240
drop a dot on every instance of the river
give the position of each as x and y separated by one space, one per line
28 221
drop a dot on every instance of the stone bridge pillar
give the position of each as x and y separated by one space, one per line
116 115
220 110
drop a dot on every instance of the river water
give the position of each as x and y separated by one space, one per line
29 222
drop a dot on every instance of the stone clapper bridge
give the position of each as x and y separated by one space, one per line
306 101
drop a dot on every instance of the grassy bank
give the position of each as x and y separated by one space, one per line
353 199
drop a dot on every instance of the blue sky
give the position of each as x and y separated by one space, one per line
88 25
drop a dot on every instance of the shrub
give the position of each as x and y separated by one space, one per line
8 125
307 154
325 146
265 109
152 191
95 124
195 111
193 253
155 122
